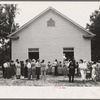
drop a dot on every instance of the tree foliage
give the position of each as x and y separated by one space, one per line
94 27
7 26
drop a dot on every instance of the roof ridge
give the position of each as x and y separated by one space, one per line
50 7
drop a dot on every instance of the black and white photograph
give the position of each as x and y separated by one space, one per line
50 44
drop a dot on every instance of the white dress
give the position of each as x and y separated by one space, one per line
93 71
82 71
18 69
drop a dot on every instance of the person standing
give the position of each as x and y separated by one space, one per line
94 71
5 66
53 69
56 67
3 69
18 70
77 69
66 68
43 70
90 68
12 68
29 69
49 70
38 69
8 70
22 67
60 68
33 65
85 64
64 57
82 67
71 70
16 61
26 69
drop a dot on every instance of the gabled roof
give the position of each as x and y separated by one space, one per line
51 8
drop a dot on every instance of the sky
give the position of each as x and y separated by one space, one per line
77 11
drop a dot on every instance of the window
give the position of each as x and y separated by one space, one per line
51 22
68 49
33 49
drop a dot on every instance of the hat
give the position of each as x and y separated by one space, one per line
33 60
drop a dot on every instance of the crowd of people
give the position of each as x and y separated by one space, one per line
30 69
36 69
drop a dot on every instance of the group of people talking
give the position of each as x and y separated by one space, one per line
36 69
31 69
85 69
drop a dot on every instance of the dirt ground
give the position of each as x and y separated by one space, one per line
50 81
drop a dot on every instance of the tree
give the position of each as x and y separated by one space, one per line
94 27
7 26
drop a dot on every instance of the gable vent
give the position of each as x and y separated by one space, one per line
51 22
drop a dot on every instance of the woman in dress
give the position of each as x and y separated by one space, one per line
49 71
94 71
65 68
53 68
18 70
33 65
5 65
38 69
60 68
82 67
43 70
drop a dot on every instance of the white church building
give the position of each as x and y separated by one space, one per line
48 36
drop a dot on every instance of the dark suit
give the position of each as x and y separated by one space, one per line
71 71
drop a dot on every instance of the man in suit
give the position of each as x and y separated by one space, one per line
71 67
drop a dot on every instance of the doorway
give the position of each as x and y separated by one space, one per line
69 55
33 53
